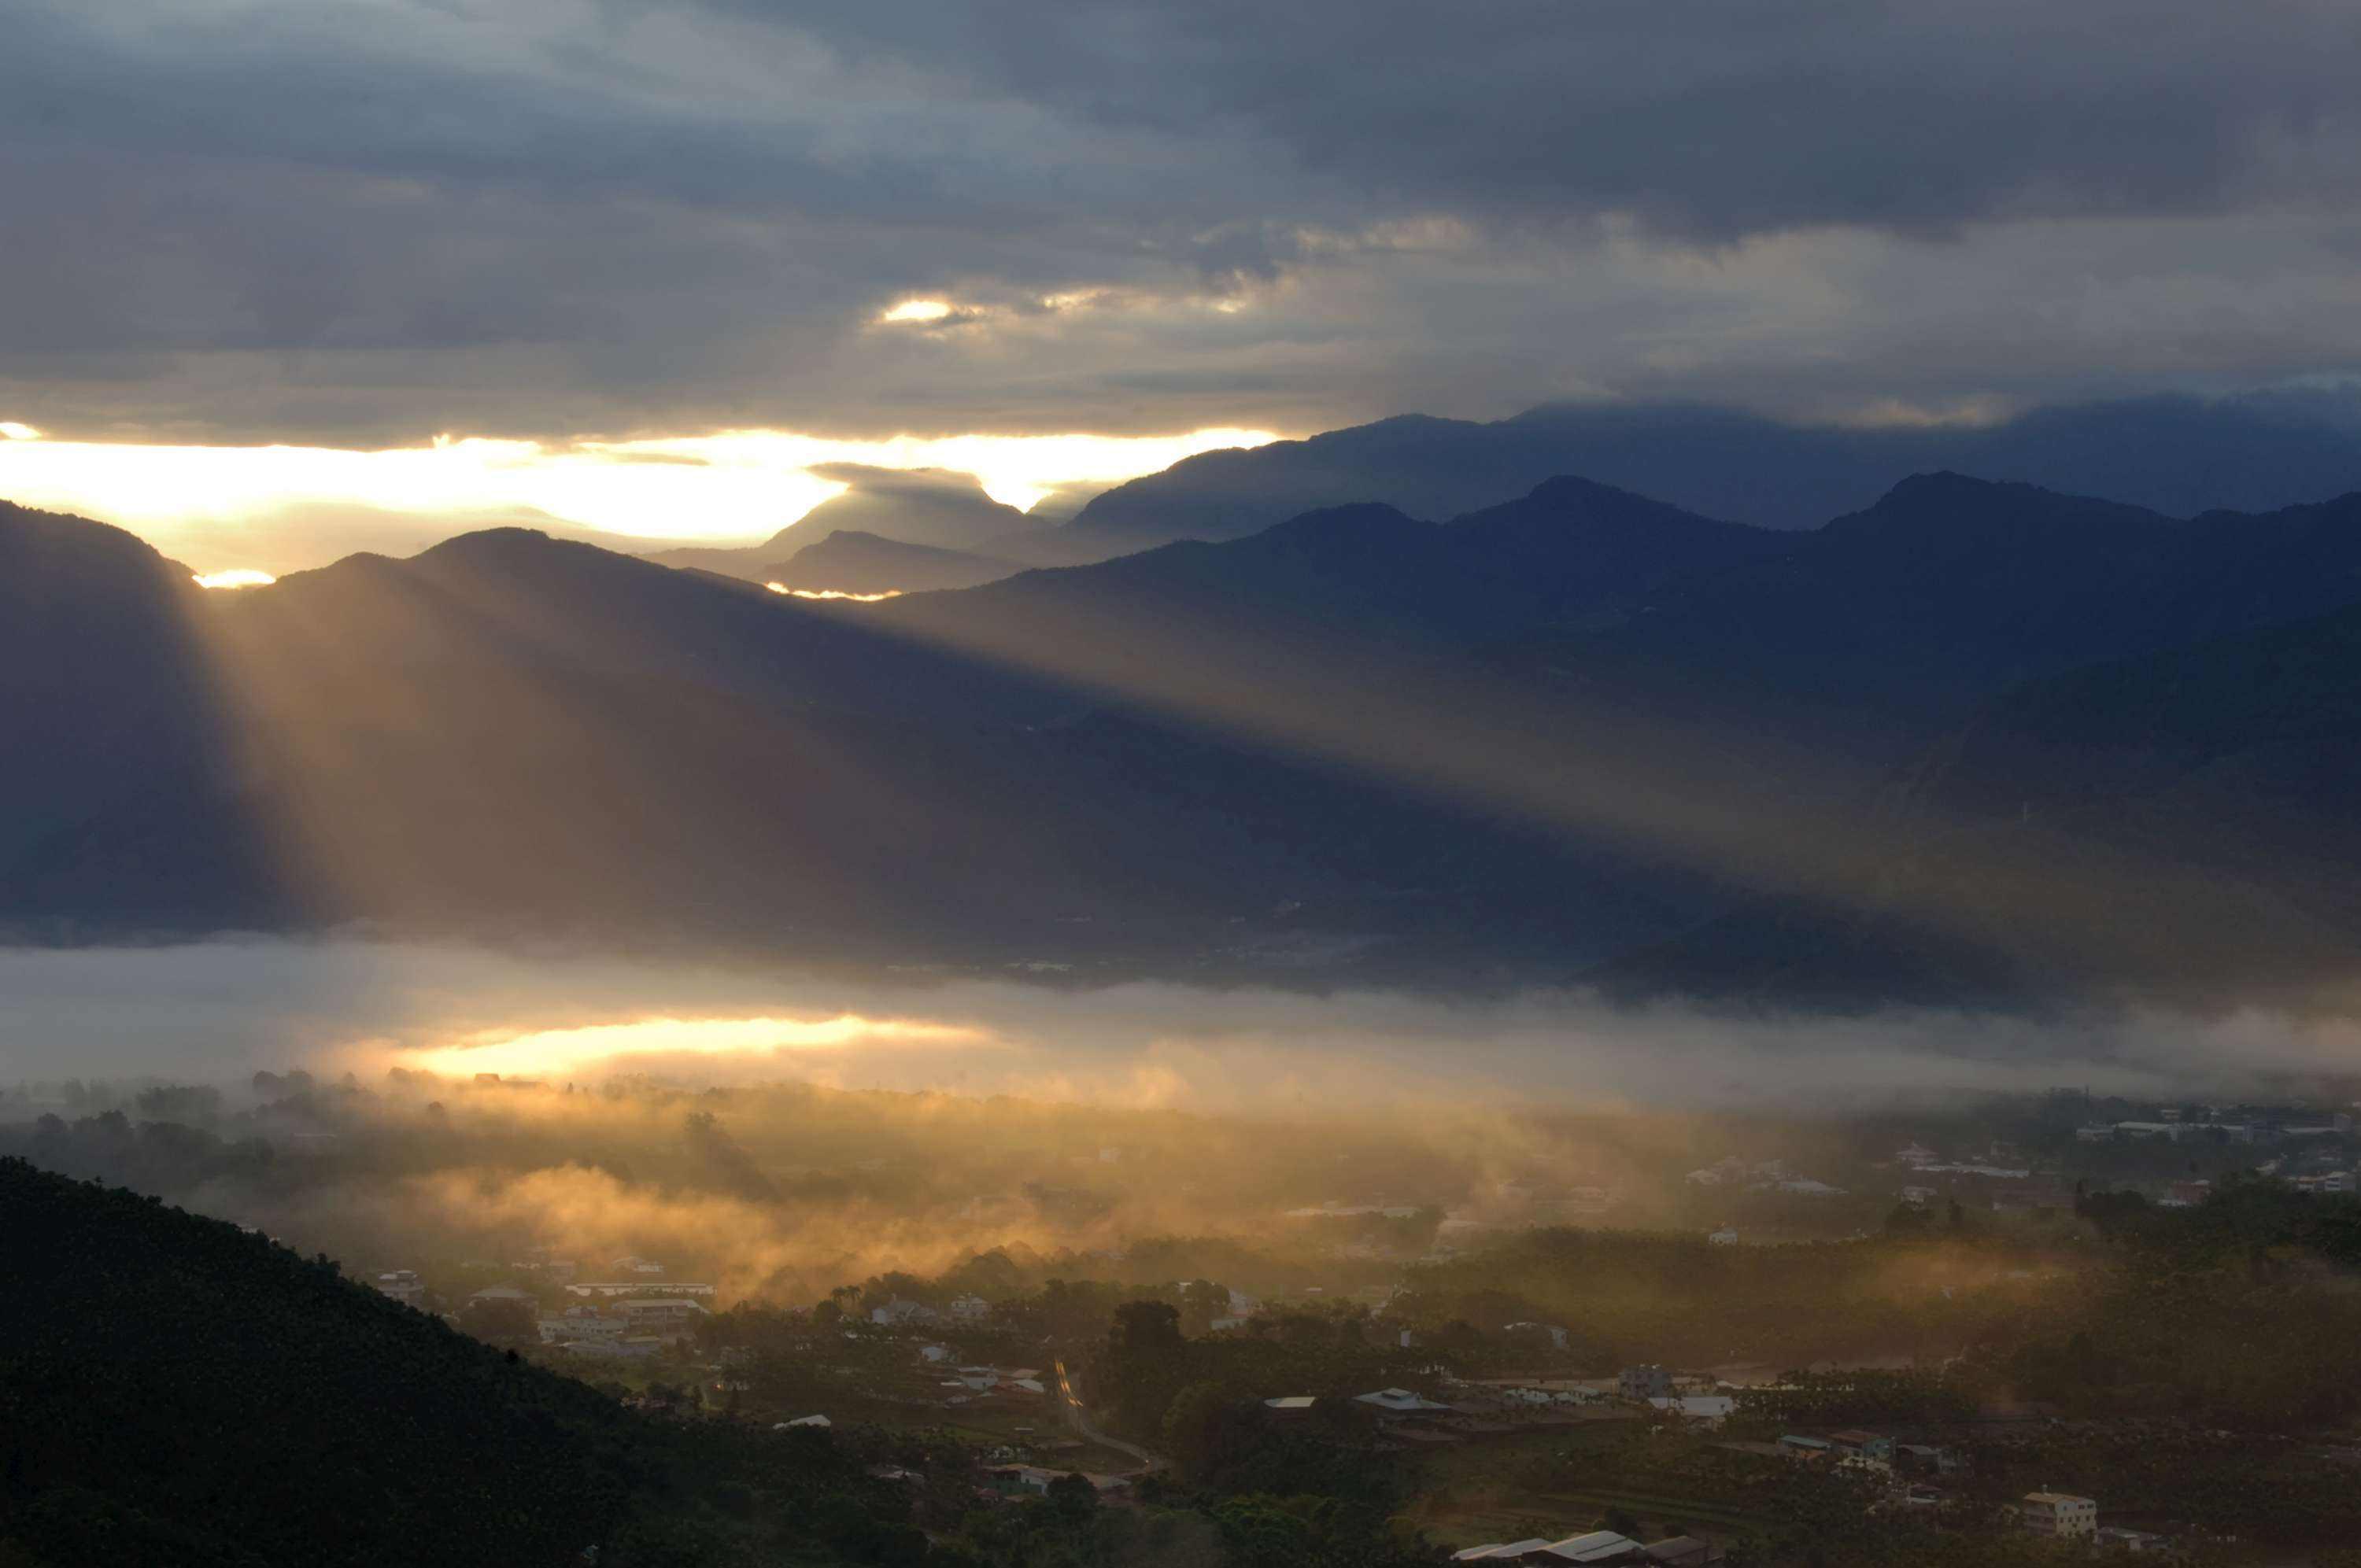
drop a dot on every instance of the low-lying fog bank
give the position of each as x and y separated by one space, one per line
218 1012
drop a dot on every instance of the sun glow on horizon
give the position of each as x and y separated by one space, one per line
724 486
832 594
559 1052
235 577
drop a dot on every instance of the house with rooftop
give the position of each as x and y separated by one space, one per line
1401 1403
2062 1516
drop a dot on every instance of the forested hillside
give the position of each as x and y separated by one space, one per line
173 1390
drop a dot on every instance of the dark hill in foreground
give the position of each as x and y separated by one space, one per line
173 1390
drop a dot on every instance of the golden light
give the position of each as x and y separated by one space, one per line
11 431
731 484
915 311
235 577
558 1052
832 594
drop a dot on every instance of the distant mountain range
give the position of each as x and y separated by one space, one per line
2180 455
1973 742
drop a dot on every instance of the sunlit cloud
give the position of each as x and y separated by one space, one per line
548 1052
915 311
733 484
11 431
235 577
832 594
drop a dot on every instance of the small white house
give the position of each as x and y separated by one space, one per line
2060 1515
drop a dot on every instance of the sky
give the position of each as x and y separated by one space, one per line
573 240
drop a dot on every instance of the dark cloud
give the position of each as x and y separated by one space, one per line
556 216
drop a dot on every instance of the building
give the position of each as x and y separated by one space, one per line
1603 1546
820 1422
1557 1334
2187 1194
1927 1459
970 1309
1399 1403
2118 1539
403 1285
1291 1405
1651 1382
664 1320
505 1293
1726 1236
1916 1155
898 1312
1797 1447
2060 1515
1709 1411
1683 1552
609 1289
639 1265
1863 1445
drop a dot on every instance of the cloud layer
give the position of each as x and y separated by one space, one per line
217 1012
375 219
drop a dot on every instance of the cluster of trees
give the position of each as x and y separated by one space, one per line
1637 1296
152 1154
1864 1397
2238 1312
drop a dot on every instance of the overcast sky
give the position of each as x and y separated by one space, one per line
356 223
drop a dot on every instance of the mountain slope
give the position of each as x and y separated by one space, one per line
1516 744
2176 825
2175 456
176 1391
120 768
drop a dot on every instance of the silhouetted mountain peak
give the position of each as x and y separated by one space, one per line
490 543
1934 510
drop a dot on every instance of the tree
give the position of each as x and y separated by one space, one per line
1203 1300
1146 1327
1073 1496
1194 1425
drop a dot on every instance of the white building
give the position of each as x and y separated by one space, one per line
898 1312
2060 1515
403 1285
1709 1411
1399 1403
971 1309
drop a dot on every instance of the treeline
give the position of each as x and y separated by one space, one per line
1632 1296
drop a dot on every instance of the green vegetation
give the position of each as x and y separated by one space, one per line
174 1390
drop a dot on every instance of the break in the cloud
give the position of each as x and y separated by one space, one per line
362 222
224 509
